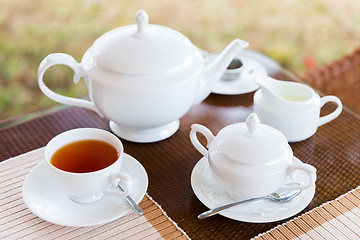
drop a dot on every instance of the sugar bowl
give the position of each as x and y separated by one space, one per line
251 159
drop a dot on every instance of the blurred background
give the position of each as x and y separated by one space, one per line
298 34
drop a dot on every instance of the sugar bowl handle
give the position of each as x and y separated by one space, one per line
307 169
195 141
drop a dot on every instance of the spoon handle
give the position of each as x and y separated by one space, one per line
132 203
214 211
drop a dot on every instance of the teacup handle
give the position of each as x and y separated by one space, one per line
115 179
195 141
308 169
64 59
335 113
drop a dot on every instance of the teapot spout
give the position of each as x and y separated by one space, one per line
217 67
214 70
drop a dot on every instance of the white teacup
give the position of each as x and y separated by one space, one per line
292 108
89 186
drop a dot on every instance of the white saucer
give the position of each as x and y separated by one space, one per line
262 211
43 198
245 83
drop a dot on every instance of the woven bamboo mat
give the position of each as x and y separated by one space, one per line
18 222
336 219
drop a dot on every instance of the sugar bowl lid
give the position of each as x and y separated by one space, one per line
142 48
251 142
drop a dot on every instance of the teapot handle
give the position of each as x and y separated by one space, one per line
335 113
65 59
195 141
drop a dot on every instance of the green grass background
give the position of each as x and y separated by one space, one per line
289 31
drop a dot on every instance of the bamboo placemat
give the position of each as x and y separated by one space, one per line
336 219
18 222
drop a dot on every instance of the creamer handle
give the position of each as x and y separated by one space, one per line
195 141
335 113
65 59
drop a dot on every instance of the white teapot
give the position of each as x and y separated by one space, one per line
143 78
251 159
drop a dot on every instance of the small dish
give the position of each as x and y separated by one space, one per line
43 198
245 83
212 195
242 82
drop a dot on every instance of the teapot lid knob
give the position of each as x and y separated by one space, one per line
142 20
252 123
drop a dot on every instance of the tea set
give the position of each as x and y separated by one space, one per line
144 78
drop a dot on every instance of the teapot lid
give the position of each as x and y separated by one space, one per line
142 48
251 142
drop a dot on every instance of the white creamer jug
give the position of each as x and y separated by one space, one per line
291 107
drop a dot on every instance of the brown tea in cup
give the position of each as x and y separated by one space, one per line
84 156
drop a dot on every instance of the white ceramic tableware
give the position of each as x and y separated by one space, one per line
241 79
143 78
234 70
90 186
292 108
212 195
53 205
250 159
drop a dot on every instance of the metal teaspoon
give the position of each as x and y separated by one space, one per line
132 203
283 197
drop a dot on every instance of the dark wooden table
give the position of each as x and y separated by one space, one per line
334 151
